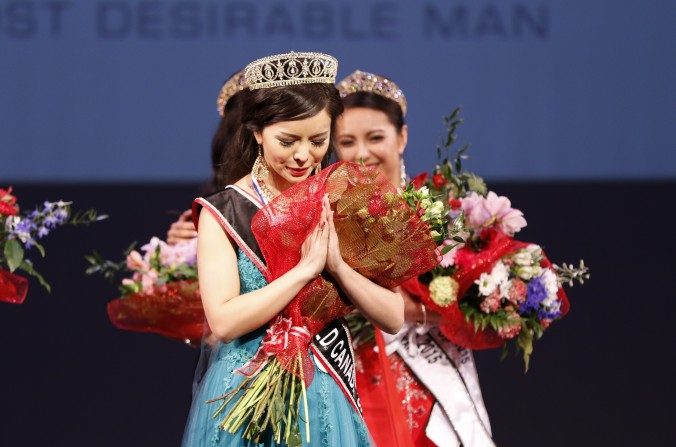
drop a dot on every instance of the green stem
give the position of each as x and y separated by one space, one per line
304 391
288 420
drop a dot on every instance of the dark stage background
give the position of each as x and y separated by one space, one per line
602 376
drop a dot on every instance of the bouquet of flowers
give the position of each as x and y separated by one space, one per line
162 294
489 287
19 233
380 236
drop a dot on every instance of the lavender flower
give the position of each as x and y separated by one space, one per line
38 222
43 231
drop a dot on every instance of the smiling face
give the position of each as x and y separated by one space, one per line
292 149
365 134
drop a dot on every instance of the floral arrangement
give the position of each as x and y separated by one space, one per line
20 233
160 293
489 287
380 236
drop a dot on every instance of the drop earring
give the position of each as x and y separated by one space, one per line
260 172
402 171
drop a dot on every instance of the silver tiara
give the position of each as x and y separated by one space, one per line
291 69
361 81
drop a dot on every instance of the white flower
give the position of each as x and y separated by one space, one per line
528 272
437 208
11 226
531 255
552 305
522 258
486 284
535 251
551 283
11 222
500 273
505 288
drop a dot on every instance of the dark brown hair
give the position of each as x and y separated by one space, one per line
224 137
263 107
374 101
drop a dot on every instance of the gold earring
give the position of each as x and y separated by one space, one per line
318 168
260 167
259 172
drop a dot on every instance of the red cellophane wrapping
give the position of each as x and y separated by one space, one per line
13 288
470 265
173 310
379 236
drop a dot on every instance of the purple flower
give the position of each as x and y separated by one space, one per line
544 314
43 231
24 226
535 294
51 221
61 215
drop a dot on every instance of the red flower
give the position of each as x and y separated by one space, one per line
7 203
454 203
439 180
419 180
377 206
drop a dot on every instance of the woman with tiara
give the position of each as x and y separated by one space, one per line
285 136
228 105
437 402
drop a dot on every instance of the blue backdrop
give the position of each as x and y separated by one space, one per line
125 90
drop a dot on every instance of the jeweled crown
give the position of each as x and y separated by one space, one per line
235 84
291 69
361 81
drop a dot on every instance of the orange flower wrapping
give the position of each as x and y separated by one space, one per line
380 237
173 310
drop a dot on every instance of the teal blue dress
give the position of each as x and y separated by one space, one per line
333 420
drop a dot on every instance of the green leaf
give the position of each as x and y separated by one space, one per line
27 267
504 353
13 254
129 249
525 342
40 248
446 249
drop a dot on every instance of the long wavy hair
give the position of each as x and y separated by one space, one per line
263 107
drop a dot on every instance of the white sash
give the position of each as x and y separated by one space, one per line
459 416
